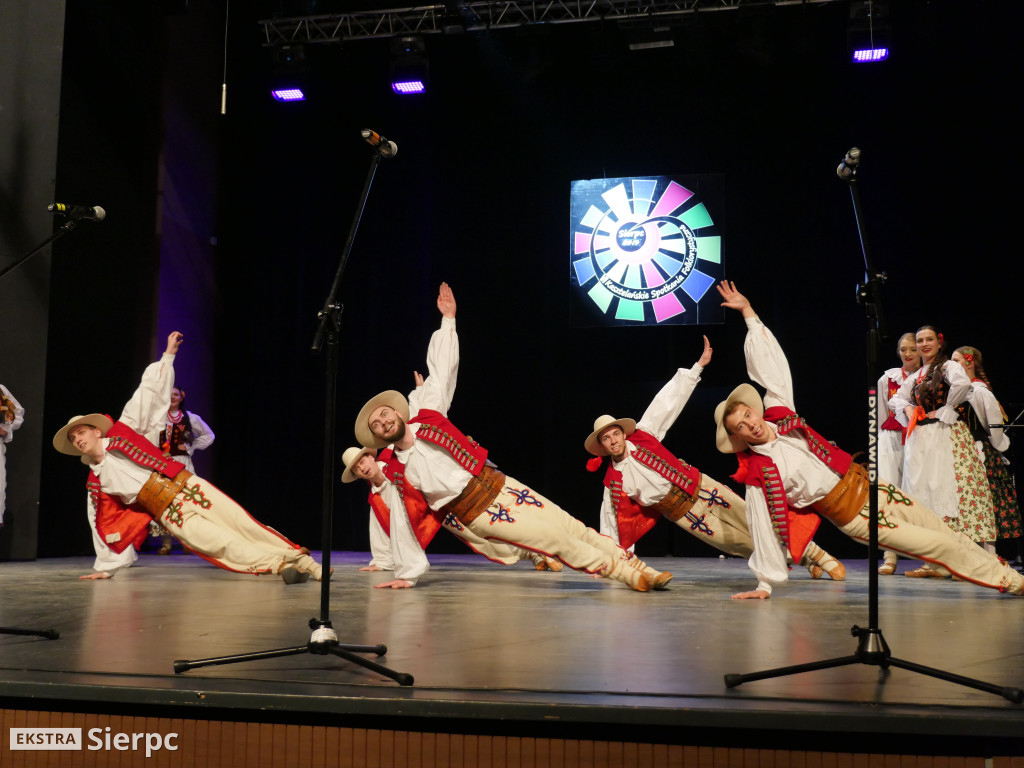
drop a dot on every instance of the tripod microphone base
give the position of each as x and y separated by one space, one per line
322 642
872 649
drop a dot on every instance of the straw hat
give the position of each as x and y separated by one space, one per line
350 458
747 395
391 398
97 420
601 423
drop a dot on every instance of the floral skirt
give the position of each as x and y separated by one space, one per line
1004 495
977 518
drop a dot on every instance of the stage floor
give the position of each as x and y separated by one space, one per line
490 642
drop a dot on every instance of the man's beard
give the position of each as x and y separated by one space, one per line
399 432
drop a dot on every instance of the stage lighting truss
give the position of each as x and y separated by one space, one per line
477 16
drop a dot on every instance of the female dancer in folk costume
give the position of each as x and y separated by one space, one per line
991 441
941 467
891 433
185 432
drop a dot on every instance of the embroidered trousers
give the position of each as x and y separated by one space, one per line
909 528
523 518
719 518
222 532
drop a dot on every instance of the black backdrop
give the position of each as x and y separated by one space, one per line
478 196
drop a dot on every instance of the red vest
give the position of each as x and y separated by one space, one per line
634 519
425 521
435 428
795 527
892 423
120 525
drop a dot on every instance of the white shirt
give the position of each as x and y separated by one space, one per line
409 559
429 468
987 408
146 413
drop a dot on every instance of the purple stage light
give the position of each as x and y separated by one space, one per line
408 86
870 54
288 94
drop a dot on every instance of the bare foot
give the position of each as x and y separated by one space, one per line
94 576
757 594
371 568
394 584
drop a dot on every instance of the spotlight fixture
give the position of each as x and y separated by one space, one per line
868 33
408 65
288 80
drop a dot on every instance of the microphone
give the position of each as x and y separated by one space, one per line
90 212
848 167
374 139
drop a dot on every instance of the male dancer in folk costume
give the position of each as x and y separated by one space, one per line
433 459
790 470
398 538
129 473
645 481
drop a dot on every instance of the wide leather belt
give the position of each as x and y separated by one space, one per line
845 501
675 503
159 490
476 496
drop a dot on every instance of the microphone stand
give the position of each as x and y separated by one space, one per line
871 646
324 639
70 224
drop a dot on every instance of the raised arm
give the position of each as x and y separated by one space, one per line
663 411
766 362
146 412
442 360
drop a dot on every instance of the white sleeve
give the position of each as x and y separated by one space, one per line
19 415
146 412
670 401
409 559
380 545
959 391
204 436
609 525
107 560
768 560
443 368
767 364
987 408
